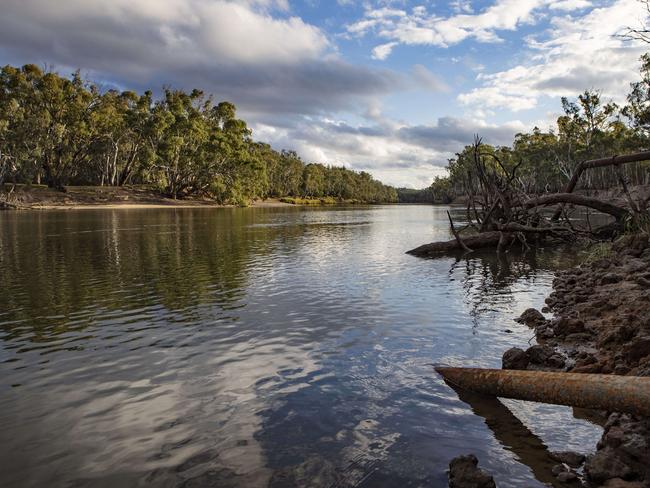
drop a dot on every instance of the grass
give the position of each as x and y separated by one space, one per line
317 201
596 252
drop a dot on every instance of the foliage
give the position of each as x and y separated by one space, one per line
64 131
545 160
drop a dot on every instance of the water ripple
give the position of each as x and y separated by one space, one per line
248 347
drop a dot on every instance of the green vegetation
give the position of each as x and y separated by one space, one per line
65 131
317 201
588 129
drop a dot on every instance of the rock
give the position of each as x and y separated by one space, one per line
637 349
587 368
636 445
643 282
635 266
565 326
621 369
531 317
613 437
538 354
573 459
465 473
544 332
605 465
559 468
578 337
546 356
515 358
619 483
631 244
610 278
567 477
556 361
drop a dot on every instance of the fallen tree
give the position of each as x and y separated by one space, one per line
501 213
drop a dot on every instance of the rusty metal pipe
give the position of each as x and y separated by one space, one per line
629 394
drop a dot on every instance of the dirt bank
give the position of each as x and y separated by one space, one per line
80 197
601 324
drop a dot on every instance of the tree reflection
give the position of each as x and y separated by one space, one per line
61 271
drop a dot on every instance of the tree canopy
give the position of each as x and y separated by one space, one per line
589 128
65 131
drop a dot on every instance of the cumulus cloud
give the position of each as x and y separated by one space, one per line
577 53
382 51
419 27
398 153
239 50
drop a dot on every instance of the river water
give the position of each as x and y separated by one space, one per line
259 347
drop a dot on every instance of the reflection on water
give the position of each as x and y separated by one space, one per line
255 347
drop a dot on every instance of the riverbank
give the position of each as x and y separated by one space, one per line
93 197
600 324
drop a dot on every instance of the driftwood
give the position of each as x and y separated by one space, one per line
581 200
600 163
478 241
505 213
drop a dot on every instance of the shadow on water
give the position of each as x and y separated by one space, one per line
513 435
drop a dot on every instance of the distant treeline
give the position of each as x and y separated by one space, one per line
438 192
545 161
65 131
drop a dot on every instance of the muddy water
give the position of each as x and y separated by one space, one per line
259 347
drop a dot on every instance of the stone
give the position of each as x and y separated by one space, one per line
571 458
531 317
613 437
619 483
515 358
567 477
637 349
538 354
559 468
606 464
587 368
565 326
611 278
465 473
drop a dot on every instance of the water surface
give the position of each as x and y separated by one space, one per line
259 347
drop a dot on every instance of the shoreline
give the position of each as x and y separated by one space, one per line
38 197
270 203
600 324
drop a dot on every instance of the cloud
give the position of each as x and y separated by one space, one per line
173 31
237 50
397 153
428 80
418 27
570 5
576 53
382 51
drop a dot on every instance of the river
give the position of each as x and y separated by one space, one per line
259 347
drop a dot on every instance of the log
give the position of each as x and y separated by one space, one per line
599 205
628 394
478 241
482 240
600 163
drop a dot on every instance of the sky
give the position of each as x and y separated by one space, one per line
392 87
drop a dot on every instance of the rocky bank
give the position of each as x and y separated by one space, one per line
601 324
